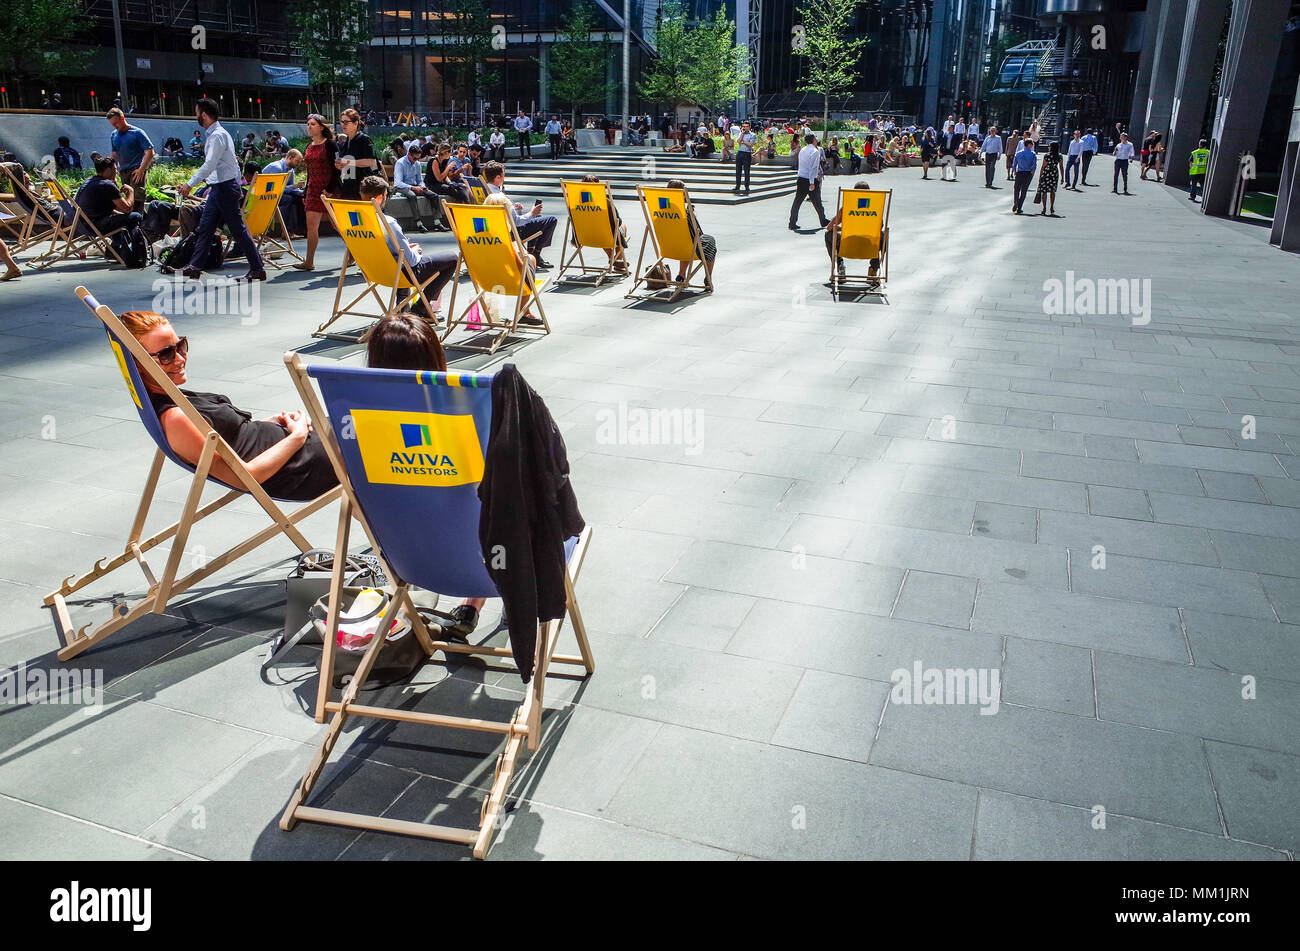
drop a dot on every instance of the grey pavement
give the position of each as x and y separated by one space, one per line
1099 513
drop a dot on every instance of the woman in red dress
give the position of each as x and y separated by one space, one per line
322 179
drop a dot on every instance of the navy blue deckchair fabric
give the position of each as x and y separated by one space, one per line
413 444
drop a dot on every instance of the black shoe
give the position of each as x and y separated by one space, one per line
258 275
420 226
794 227
542 265
439 226
839 266
464 620
531 321
192 273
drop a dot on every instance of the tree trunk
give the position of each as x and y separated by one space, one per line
826 115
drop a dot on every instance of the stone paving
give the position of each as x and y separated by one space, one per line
906 483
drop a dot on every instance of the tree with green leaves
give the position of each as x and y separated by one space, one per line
832 54
576 63
720 66
332 34
33 41
670 77
467 46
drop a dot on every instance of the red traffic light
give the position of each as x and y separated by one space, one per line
92 93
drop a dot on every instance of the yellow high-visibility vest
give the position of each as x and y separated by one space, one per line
1199 163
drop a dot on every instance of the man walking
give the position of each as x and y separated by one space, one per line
810 182
1088 151
220 170
1197 166
1025 162
524 128
1123 155
991 148
553 131
1012 147
948 146
744 155
131 149
1072 162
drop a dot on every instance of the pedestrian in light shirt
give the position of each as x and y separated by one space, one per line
809 183
991 149
1073 159
553 131
524 129
1025 161
1123 155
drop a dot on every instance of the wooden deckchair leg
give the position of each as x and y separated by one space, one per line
332 612
146 498
579 628
186 521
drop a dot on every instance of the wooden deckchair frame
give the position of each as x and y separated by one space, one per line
529 291
25 233
861 280
73 243
524 725
574 250
161 590
401 269
265 239
651 239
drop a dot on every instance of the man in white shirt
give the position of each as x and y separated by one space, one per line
553 130
535 229
1123 155
960 127
1089 150
524 129
991 149
744 155
973 130
810 182
442 263
222 206
474 138
497 146
409 184
1074 157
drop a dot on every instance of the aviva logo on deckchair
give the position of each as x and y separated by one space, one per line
356 231
430 449
586 203
481 235
666 210
864 210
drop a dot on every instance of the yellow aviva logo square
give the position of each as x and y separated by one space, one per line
126 374
401 448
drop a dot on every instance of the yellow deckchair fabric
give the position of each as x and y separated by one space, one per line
492 252
588 204
263 201
666 208
863 235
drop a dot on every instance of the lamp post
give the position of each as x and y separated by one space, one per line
627 36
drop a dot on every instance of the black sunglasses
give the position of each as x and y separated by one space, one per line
168 354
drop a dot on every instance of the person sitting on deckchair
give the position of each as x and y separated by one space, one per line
526 259
107 208
707 241
834 225
401 342
619 258
442 263
282 453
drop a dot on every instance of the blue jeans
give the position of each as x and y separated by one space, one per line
1072 163
222 207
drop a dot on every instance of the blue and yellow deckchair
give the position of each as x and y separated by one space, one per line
476 188
261 210
75 230
371 245
862 235
590 226
495 256
409 448
131 359
28 219
669 235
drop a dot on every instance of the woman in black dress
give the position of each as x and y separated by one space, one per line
356 158
282 453
929 148
1048 178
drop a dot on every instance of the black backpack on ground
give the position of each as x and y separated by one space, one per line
179 255
132 246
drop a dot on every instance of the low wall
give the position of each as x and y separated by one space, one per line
33 135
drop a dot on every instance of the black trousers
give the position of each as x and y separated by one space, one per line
1121 168
556 147
990 166
222 207
441 263
525 145
811 191
743 162
1022 188
1087 160
537 232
